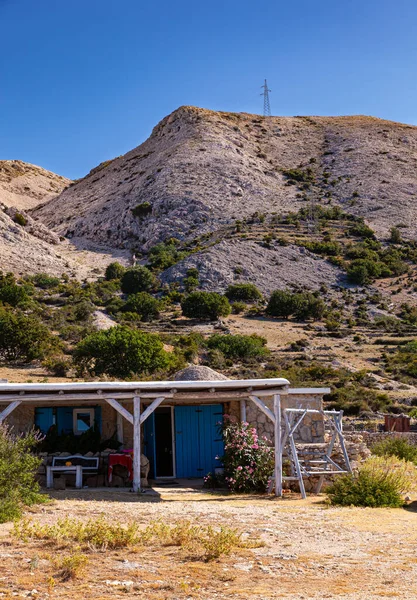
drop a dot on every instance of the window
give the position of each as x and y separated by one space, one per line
83 419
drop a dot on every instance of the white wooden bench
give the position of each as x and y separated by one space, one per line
79 465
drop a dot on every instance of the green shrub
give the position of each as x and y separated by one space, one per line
396 446
298 175
144 305
360 229
164 255
20 219
114 271
58 365
44 281
238 346
238 307
301 305
395 236
355 398
22 337
18 468
243 291
120 352
142 210
10 292
329 248
190 284
380 481
138 279
205 305
363 271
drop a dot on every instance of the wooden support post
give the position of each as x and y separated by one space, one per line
149 410
263 407
278 446
9 409
120 409
136 444
243 410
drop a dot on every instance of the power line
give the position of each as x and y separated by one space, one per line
265 94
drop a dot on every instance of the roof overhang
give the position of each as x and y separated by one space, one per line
179 390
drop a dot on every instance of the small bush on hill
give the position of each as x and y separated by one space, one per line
238 307
142 210
144 305
396 447
238 346
18 467
22 337
363 271
20 219
354 399
44 281
404 361
362 230
380 481
10 292
164 255
114 271
243 291
205 305
120 352
395 236
301 305
138 279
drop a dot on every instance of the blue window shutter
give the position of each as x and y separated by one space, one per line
64 419
97 417
44 419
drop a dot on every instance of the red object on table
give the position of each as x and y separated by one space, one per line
120 459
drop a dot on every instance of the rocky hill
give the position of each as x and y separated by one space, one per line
201 169
28 246
25 186
202 173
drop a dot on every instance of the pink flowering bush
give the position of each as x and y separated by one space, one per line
248 460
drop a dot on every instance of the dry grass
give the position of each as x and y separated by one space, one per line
308 549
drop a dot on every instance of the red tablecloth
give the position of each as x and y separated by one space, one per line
120 459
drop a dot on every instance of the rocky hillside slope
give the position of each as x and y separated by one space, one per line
25 186
28 246
200 170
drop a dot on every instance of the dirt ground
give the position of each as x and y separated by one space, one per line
311 551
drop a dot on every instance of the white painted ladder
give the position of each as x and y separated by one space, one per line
321 464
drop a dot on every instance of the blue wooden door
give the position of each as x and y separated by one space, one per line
211 441
197 439
149 443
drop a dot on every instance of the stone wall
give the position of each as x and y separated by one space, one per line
311 429
22 418
371 438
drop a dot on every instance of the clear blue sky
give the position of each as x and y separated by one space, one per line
82 81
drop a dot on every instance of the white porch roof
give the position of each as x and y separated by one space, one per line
231 388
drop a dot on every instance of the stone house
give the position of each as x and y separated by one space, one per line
176 428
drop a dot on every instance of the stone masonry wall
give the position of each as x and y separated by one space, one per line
371 438
311 429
